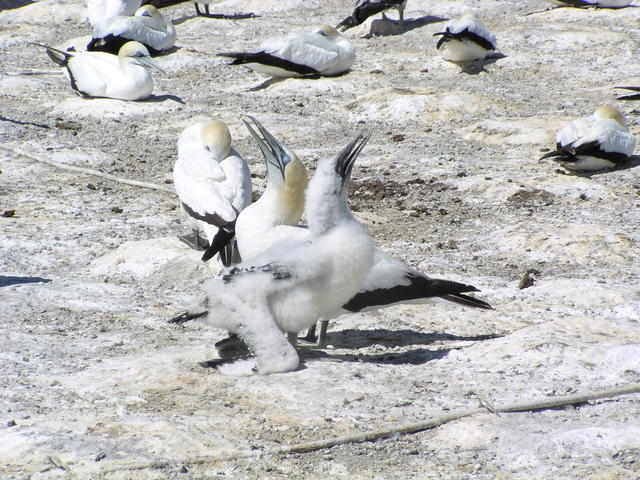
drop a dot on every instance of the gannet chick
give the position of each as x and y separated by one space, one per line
292 285
99 11
465 39
98 74
632 96
595 142
213 183
367 8
273 218
148 26
322 51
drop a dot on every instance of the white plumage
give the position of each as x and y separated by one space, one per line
322 51
212 180
465 39
600 140
98 74
148 26
99 11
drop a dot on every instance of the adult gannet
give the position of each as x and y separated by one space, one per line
595 142
367 8
148 26
465 39
213 183
98 74
273 219
631 96
292 285
322 51
99 11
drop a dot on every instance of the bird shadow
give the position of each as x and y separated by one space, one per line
409 24
353 338
8 280
162 98
417 356
477 67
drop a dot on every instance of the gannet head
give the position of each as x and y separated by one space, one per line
138 54
468 16
147 11
287 175
611 113
326 31
216 139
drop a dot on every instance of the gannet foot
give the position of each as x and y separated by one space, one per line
311 341
222 16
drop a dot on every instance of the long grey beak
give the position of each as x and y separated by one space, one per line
347 157
146 62
273 151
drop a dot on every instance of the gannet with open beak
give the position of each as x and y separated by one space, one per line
292 285
322 51
99 11
465 39
273 219
595 142
148 26
367 8
98 74
213 183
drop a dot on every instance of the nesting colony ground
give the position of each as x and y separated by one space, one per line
96 384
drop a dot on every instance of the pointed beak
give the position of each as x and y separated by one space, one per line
146 62
273 151
347 157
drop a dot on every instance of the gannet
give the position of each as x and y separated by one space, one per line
595 142
213 183
99 11
632 96
273 219
98 74
367 8
322 51
465 39
148 26
292 285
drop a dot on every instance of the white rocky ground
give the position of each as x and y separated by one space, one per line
96 384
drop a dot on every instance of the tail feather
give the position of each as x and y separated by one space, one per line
467 301
58 56
347 23
187 316
218 243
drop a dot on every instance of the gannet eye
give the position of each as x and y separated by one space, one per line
207 148
146 14
322 32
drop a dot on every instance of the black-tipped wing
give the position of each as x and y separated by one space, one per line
365 9
108 44
219 244
187 316
265 58
418 287
465 34
635 96
570 154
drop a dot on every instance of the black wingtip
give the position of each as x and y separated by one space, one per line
468 301
186 316
218 243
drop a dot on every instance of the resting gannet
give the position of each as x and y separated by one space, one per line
632 96
213 183
595 142
465 39
99 11
322 51
291 285
98 74
367 8
148 26
273 218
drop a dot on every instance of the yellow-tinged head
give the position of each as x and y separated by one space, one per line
611 113
291 198
137 53
147 11
326 31
216 138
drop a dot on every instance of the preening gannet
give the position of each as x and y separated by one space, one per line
292 285
148 26
367 8
322 51
213 183
273 218
595 142
465 39
631 96
99 11
98 74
